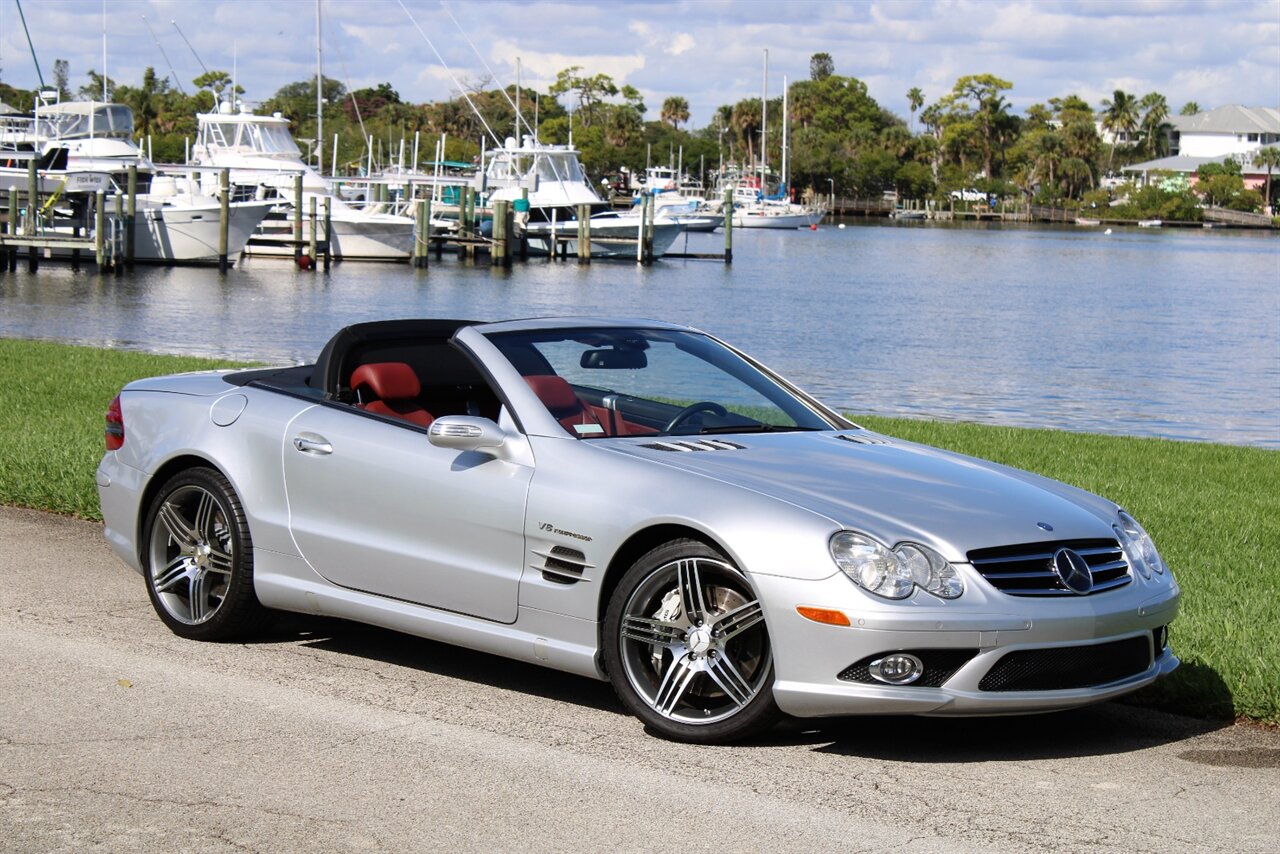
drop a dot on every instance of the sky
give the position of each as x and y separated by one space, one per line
710 52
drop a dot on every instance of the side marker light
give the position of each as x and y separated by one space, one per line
828 616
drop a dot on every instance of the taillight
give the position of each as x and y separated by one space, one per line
115 425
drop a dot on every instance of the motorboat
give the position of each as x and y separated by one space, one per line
264 162
84 147
552 178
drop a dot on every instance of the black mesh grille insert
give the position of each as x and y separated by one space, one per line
1066 667
563 571
939 666
1027 569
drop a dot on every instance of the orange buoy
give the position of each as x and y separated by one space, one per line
305 262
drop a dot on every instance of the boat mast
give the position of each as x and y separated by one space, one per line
319 99
517 99
785 185
23 16
764 122
104 59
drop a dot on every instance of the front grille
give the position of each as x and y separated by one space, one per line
939 666
1027 569
1064 667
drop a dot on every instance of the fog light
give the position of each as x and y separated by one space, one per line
900 668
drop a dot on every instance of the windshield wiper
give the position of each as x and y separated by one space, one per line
755 428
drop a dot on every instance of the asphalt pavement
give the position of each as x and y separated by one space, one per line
116 735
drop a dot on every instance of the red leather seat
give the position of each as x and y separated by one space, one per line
390 388
566 407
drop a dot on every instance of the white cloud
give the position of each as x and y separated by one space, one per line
682 43
708 51
543 66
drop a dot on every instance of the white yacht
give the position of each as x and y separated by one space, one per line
264 161
678 200
556 185
84 146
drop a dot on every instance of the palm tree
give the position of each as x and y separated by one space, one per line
746 123
1048 150
1189 109
675 110
1119 116
992 117
1077 174
1270 158
1081 143
1154 124
915 100
724 122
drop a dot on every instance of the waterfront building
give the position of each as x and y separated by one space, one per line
1232 131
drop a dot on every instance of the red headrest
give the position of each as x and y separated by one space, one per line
553 391
388 380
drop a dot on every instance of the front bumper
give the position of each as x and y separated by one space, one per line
809 657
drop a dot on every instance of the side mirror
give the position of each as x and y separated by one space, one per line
468 433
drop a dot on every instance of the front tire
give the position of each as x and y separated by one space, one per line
686 647
198 559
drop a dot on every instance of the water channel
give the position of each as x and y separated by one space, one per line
1169 332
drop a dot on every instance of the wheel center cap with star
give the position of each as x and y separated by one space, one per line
699 641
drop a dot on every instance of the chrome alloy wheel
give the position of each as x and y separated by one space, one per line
192 555
693 642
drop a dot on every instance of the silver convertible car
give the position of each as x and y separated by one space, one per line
630 501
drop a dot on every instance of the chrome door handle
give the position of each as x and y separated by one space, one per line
310 443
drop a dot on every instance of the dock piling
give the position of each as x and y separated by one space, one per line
328 231
650 227
314 227
33 205
500 252
117 247
12 252
644 205
130 224
297 217
100 228
224 217
728 226
584 234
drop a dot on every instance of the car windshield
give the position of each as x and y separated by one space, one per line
604 382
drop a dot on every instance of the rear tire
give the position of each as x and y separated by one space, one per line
686 646
198 559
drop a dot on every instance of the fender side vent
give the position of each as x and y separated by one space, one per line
562 565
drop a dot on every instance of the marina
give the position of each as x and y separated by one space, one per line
1151 332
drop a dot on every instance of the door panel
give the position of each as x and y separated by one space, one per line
374 506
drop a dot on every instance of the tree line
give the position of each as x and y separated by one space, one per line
841 140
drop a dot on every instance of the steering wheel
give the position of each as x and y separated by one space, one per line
689 411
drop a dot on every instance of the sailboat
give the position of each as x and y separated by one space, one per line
777 210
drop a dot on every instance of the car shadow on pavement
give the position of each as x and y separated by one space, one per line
455 662
1108 728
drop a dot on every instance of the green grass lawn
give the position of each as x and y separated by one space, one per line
1214 510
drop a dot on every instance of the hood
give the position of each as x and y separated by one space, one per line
891 490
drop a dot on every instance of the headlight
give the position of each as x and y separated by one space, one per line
1138 545
894 573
